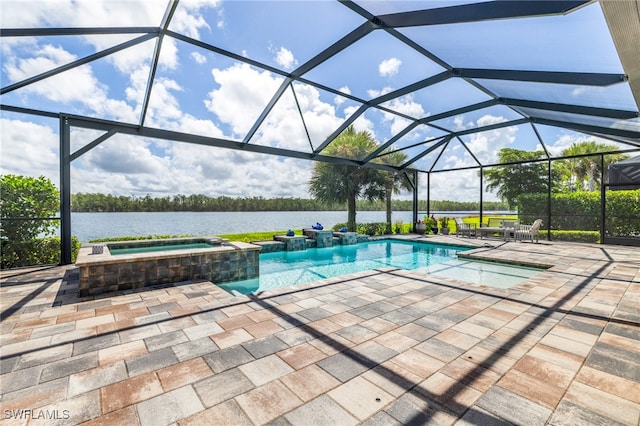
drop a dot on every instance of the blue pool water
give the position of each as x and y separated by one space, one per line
284 269
164 247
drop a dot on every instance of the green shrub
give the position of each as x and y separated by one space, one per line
623 213
39 251
373 228
26 205
582 211
576 236
399 227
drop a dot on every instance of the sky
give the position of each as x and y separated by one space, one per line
205 93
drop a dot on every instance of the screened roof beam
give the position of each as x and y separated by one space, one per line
429 81
623 133
277 71
440 154
542 144
335 48
468 150
485 11
458 111
304 123
412 145
263 115
491 127
431 148
469 131
625 141
341 128
558 77
88 147
573 109
540 160
29 111
391 141
224 52
75 64
147 132
370 17
166 20
358 9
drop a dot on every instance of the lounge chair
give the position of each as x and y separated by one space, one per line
528 232
468 229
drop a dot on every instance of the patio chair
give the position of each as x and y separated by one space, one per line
468 229
509 227
528 232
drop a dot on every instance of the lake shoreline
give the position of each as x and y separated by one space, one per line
90 226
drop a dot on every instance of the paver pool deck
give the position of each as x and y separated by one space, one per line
382 347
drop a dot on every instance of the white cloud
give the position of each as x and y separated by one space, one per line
374 93
320 117
461 185
129 165
361 123
74 13
406 105
187 19
389 67
285 59
565 140
122 154
43 59
486 145
243 94
199 58
77 85
29 149
339 100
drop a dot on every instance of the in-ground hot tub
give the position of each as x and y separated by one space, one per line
136 264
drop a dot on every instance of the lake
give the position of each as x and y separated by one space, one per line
89 226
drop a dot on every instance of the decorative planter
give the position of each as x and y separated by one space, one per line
434 230
445 231
421 228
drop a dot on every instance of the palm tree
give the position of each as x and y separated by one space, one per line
395 181
587 169
337 183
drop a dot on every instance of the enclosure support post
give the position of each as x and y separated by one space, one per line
481 185
428 194
415 199
65 191
549 201
603 195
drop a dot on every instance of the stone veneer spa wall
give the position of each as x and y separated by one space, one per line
103 273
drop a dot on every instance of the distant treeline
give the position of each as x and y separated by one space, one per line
202 203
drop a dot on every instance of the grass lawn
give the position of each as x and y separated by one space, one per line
485 218
268 235
257 236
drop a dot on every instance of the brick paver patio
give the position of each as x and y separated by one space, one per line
383 347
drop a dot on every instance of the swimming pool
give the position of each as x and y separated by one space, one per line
284 269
